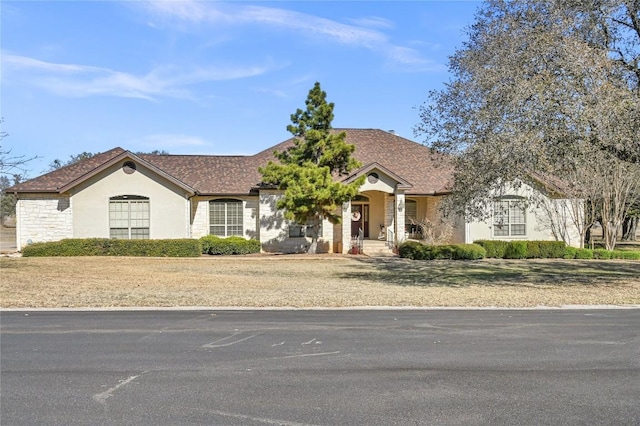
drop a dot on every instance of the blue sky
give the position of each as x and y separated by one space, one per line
213 77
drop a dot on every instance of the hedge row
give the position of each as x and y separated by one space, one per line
576 253
231 245
113 247
524 249
418 251
509 250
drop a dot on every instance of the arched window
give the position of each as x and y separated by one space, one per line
129 217
225 217
509 218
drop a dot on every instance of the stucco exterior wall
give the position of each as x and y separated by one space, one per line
168 204
383 184
537 222
376 212
42 218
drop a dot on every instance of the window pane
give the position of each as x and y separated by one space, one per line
234 213
501 230
118 214
296 231
516 212
217 213
518 230
501 212
119 233
217 230
129 218
140 233
234 230
225 218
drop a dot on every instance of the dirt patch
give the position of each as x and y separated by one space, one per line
312 281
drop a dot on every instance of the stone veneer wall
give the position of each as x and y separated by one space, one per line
274 229
200 216
42 218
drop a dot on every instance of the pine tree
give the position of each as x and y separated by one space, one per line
308 171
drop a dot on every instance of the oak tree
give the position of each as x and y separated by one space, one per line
543 92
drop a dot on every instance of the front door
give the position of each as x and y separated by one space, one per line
359 219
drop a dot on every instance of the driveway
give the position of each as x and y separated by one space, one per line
336 367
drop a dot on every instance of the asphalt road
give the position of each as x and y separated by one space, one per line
439 367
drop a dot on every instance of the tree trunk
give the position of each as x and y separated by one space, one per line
630 228
315 231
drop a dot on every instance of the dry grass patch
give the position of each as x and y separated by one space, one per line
308 281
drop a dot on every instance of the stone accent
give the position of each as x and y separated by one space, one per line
274 229
200 216
400 228
42 218
346 227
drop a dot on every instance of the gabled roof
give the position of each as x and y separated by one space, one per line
403 184
408 162
427 172
53 181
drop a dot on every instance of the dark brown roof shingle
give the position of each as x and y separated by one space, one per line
427 173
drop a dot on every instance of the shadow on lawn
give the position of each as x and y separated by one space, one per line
494 272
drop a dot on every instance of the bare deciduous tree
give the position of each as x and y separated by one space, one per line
550 88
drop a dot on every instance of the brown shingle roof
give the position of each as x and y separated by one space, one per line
53 181
427 172
213 174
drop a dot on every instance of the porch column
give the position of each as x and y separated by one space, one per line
346 226
399 216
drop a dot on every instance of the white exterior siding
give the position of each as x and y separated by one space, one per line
42 218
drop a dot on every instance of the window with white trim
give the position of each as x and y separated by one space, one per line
298 231
411 217
509 218
129 217
225 217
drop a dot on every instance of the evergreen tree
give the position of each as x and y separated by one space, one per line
307 172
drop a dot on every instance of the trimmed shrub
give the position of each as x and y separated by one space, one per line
441 252
414 250
602 254
570 253
418 251
469 252
214 245
516 250
493 248
583 253
626 254
546 249
112 247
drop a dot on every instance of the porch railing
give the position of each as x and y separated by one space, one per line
357 242
390 238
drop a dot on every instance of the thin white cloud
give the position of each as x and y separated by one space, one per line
373 22
75 80
178 13
24 62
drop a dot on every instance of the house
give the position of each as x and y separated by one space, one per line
118 194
